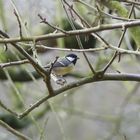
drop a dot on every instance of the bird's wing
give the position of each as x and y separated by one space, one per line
63 62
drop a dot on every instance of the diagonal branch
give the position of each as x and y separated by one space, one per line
44 20
24 53
45 74
77 37
119 43
13 131
83 81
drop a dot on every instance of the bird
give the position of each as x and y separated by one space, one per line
64 65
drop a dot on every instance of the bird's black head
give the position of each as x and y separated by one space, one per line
72 57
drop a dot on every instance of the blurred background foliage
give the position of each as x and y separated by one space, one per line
106 110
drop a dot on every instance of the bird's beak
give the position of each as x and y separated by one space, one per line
78 58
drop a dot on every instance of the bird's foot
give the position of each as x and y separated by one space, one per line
61 81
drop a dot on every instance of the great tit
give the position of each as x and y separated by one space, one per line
64 65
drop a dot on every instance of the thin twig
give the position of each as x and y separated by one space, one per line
19 23
124 31
119 43
44 47
107 46
33 106
131 2
14 63
104 13
43 132
8 109
71 50
13 131
44 20
52 64
5 45
47 79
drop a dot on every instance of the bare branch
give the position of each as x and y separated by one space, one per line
119 43
120 50
104 13
73 32
3 65
13 131
97 77
33 106
19 23
131 2
44 20
8 109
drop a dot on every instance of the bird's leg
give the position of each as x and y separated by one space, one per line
58 79
61 78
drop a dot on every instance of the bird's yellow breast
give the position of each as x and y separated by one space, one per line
63 70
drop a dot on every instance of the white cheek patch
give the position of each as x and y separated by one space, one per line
70 59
